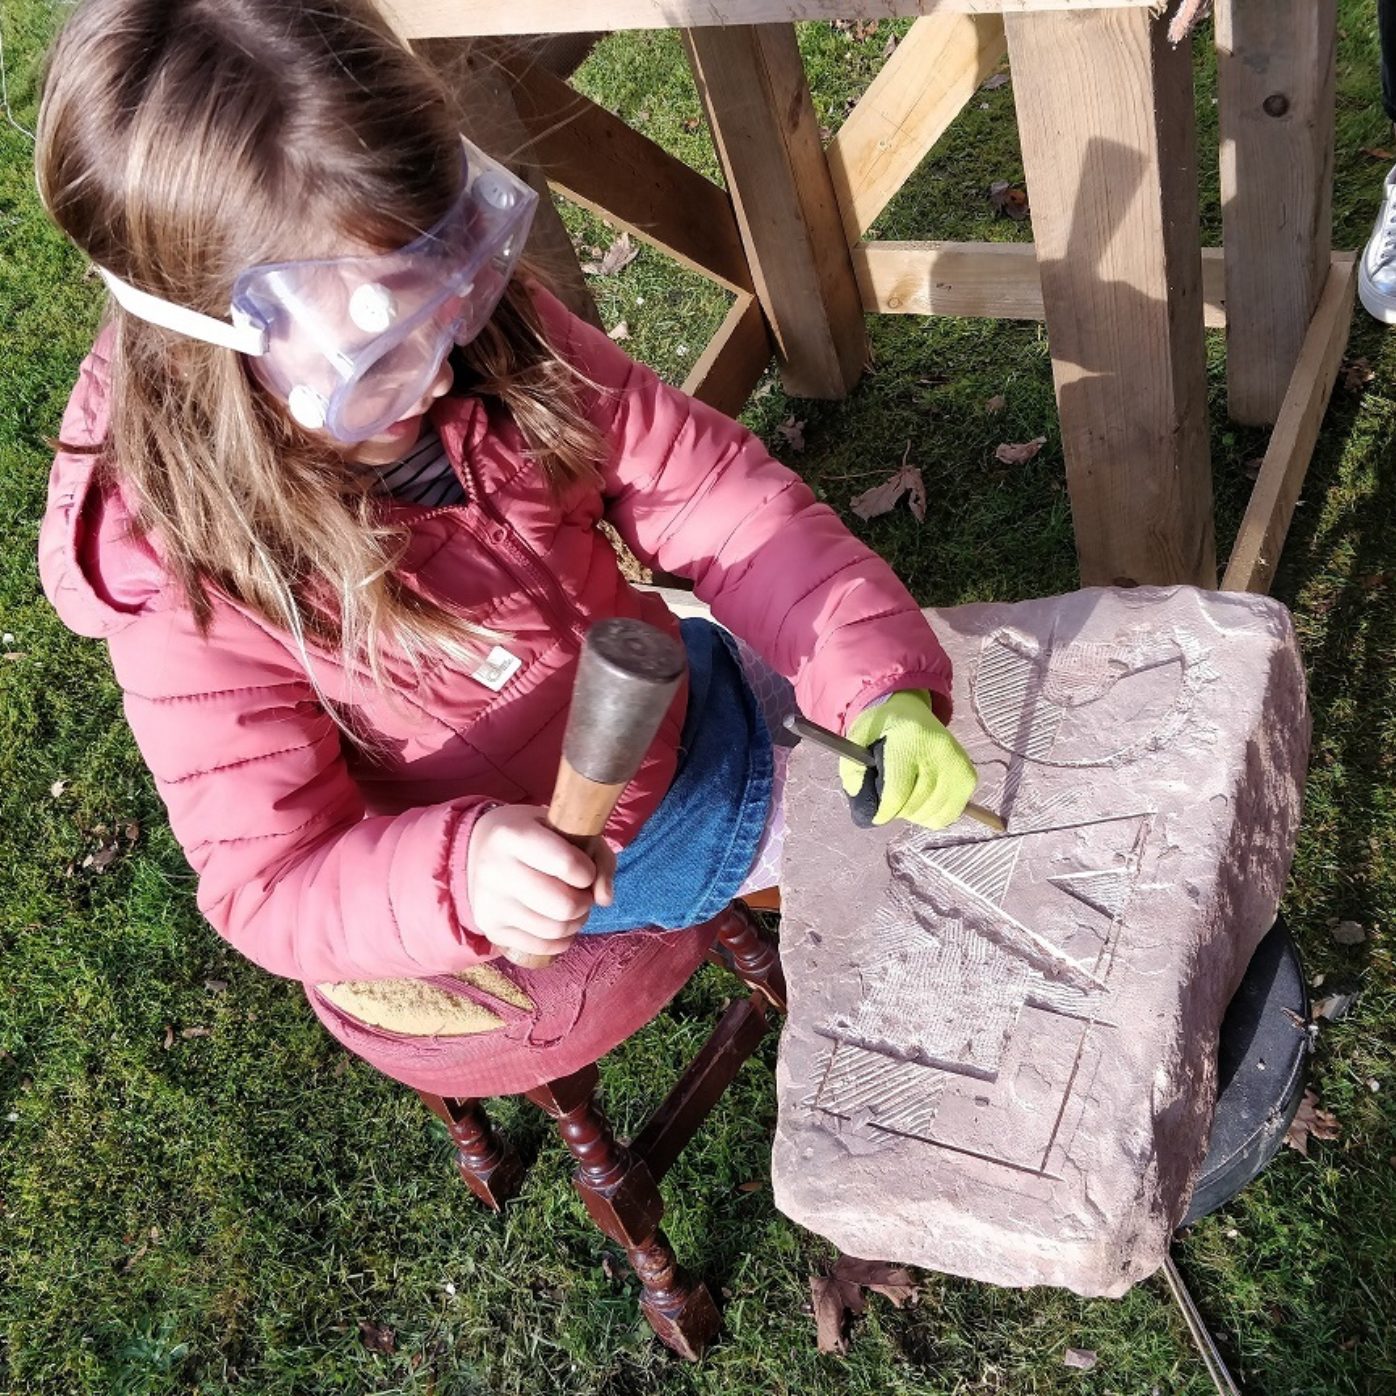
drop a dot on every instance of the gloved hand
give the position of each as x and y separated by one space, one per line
922 772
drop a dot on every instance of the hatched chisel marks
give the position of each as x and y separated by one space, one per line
1030 697
884 1093
892 1015
1105 891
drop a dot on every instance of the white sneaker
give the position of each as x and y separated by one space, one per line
1376 274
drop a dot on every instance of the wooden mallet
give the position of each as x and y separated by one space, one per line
625 682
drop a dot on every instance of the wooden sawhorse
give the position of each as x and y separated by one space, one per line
1105 107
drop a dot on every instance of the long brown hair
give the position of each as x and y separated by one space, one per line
181 141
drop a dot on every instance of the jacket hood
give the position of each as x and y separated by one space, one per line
97 572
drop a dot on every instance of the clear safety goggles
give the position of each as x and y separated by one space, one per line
351 344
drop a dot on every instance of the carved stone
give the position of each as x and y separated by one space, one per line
1000 1054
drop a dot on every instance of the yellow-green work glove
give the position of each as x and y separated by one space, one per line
922 772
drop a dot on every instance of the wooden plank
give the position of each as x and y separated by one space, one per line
734 360
1105 111
996 280
752 84
416 18
1261 538
908 106
593 157
1275 94
489 117
563 54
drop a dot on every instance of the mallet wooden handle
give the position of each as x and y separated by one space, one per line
625 682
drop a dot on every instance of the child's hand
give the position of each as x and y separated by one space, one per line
529 888
924 773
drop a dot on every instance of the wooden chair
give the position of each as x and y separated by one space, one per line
620 1183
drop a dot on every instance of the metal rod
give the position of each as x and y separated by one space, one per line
1211 1357
821 736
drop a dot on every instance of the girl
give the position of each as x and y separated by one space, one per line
329 487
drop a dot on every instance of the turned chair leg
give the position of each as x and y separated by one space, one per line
491 1168
624 1202
753 956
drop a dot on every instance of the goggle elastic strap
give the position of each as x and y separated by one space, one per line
241 335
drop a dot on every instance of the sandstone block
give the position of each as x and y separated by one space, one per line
1000 1055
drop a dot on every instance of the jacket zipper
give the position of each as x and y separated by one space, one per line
545 591
564 612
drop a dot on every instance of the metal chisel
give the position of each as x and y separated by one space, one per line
800 726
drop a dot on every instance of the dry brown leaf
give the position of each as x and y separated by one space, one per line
893 1282
994 83
1019 452
132 830
195 1032
1357 373
692 123
1008 201
755 1185
996 404
102 859
1082 1359
792 433
827 1296
882 499
169 1036
616 257
915 491
619 331
1378 152
1311 1121
377 1337
216 986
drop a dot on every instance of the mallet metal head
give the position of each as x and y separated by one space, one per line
625 683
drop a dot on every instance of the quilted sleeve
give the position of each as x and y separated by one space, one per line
291 869
696 494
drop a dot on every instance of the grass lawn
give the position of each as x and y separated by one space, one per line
221 1210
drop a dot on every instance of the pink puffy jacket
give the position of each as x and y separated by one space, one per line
322 865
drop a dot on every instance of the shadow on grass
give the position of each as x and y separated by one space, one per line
1337 570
